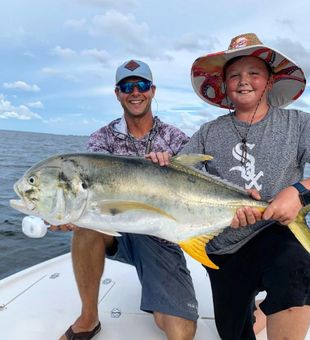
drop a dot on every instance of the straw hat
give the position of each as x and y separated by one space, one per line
207 72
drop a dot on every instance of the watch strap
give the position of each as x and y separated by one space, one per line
304 193
301 189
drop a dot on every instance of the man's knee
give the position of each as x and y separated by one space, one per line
175 328
92 238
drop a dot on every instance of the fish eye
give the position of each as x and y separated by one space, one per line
31 180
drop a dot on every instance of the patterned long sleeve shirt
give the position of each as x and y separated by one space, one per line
114 138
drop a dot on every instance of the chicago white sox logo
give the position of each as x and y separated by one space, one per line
247 170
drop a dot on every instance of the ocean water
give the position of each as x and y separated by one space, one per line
18 152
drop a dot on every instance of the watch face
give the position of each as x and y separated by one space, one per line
305 197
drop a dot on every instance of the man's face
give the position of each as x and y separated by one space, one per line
246 82
138 101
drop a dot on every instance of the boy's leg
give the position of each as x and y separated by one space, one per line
292 323
287 282
233 297
260 318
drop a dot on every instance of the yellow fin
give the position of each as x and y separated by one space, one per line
196 248
300 229
119 207
191 159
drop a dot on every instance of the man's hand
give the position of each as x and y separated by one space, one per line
63 227
162 158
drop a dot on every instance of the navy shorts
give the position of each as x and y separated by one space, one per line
273 261
167 286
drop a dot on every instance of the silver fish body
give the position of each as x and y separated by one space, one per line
129 194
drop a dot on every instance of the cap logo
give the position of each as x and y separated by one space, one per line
131 65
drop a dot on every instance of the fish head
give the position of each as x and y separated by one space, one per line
54 189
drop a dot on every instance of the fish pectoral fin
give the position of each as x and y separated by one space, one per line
196 248
191 159
119 207
108 232
300 229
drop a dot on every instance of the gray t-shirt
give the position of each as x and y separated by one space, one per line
278 148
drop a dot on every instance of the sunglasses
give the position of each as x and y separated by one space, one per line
128 87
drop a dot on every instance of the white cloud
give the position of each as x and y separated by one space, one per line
286 23
101 55
29 54
36 105
53 72
86 63
63 52
294 50
135 35
55 120
21 85
21 112
190 122
75 23
196 41
123 25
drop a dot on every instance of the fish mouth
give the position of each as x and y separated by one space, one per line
21 206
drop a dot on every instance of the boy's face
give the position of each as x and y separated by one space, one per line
246 83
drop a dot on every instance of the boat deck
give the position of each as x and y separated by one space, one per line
42 301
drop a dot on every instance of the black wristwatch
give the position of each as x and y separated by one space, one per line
304 193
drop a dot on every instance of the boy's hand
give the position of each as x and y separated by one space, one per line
284 207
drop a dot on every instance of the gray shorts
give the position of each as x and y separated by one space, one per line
167 286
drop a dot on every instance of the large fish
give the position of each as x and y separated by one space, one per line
115 194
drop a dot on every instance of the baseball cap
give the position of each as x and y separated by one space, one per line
133 68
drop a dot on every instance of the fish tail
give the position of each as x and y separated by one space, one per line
300 229
196 248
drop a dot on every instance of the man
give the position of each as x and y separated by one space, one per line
167 289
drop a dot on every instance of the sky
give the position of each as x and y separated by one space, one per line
59 57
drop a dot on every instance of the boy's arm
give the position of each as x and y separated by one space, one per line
286 204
